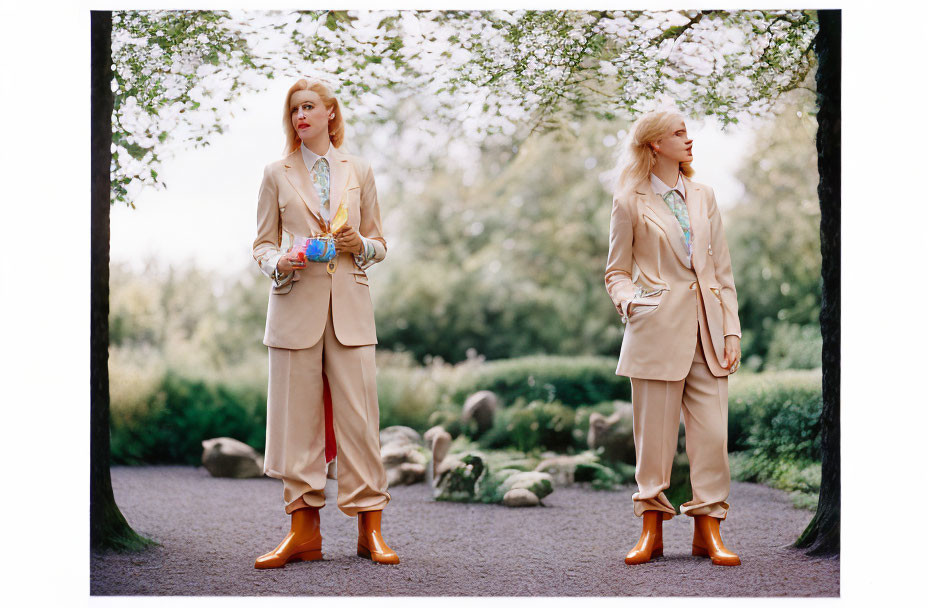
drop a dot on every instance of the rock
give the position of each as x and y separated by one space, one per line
406 474
539 484
402 455
439 441
481 408
458 477
227 457
562 468
399 434
520 498
613 434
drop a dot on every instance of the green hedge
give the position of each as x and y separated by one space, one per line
776 413
572 381
168 424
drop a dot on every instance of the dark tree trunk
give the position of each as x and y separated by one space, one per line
823 535
108 527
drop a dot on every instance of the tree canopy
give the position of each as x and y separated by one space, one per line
495 76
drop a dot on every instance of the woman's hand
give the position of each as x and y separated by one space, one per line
732 353
348 239
290 261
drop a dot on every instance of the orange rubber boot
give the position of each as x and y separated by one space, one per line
707 541
651 542
303 543
370 543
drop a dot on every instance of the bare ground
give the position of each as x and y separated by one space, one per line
210 531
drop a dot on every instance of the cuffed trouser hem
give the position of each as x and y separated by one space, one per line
718 510
353 510
305 501
658 503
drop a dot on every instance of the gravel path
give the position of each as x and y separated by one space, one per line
211 530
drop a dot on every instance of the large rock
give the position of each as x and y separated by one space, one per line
399 434
614 434
458 476
481 408
405 474
403 455
520 498
227 457
539 484
438 440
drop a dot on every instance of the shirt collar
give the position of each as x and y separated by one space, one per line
660 188
310 157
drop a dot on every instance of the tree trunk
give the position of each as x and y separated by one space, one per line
108 527
823 534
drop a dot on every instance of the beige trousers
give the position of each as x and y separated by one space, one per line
295 450
656 422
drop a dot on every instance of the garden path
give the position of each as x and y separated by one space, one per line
210 530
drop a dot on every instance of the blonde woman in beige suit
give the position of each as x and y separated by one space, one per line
669 276
320 328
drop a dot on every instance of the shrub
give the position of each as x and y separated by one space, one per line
776 412
168 424
802 478
572 381
537 425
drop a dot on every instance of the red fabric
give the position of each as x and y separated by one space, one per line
330 447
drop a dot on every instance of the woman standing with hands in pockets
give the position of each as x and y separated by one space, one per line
320 329
669 276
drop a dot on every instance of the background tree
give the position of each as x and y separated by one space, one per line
164 67
773 233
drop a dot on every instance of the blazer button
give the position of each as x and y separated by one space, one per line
693 286
710 249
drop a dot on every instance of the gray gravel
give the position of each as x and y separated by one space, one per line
211 530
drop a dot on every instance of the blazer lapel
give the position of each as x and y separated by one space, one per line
699 220
301 181
341 172
668 221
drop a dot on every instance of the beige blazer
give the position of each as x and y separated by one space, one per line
648 265
287 206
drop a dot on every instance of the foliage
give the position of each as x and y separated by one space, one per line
515 265
776 248
801 478
168 424
532 426
572 381
776 413
175 78
484 74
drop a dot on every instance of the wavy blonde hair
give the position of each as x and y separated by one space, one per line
639 157
336 125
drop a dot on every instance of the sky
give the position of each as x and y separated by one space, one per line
206 215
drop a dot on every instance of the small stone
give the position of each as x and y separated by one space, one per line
539 484
520 497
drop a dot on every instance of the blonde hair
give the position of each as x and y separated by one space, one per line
336 124
639 157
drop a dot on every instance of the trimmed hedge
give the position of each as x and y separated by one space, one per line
776 413
167 425
572 381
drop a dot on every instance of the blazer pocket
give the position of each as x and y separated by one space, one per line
361 279
282 290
